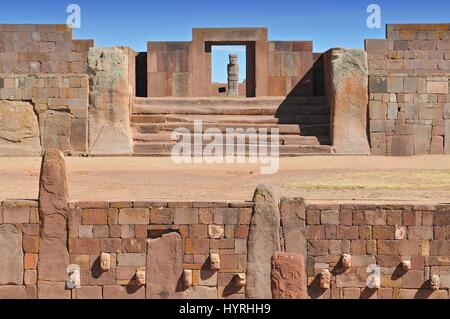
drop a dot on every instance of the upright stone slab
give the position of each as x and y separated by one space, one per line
288 276
164 267
346 74
293 215
11 255
263 242
53 213
110 93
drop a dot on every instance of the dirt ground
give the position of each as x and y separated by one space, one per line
420 178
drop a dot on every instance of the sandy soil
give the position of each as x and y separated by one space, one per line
420 178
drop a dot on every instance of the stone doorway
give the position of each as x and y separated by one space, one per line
248 64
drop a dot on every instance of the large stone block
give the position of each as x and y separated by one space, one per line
263 242
53 213
11 256
349 97
288 276
19 130
164 267
55 130
293 215
110 89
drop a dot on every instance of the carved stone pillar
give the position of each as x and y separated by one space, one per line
233 76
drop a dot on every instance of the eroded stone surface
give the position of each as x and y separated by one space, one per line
263 242
11 255
349 99
164 266
53 213
288 276
19 130
109 118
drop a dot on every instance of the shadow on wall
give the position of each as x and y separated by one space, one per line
306 105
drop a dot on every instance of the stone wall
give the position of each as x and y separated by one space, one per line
290 68
138 235
36 49
383 235
19 249
169 66
59 103
409 114
409 90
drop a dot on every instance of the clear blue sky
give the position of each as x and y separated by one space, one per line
133 22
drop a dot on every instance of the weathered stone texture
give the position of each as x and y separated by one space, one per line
348 95
110 91
53 212
164 267
288 276
11 260
19 130
263 241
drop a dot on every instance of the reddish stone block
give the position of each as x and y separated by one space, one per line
198 231
375 217
411 218
30 229
88 292
413 279
141 231
241 231
388 247
346 217
101 231
315 232
222 243
312 217
410 247
30 261
196 246
134 216
123 292
383 232
288 276
347 232
365 232
84 246
30 244
134 245
16 215
163 216
113 216
94 217
53 290
205 216
245 215
13 292
358 217
111 245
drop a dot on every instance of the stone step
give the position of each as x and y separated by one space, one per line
161 127
243 110
180 118
166 137
229 102
142 148
241 119
315 130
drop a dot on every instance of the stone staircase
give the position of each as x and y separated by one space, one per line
303 122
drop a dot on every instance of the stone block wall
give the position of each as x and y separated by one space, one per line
19 249
290 68
60 105
127 230
408 87
36 49
164 238
409 114
169 67
382 235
